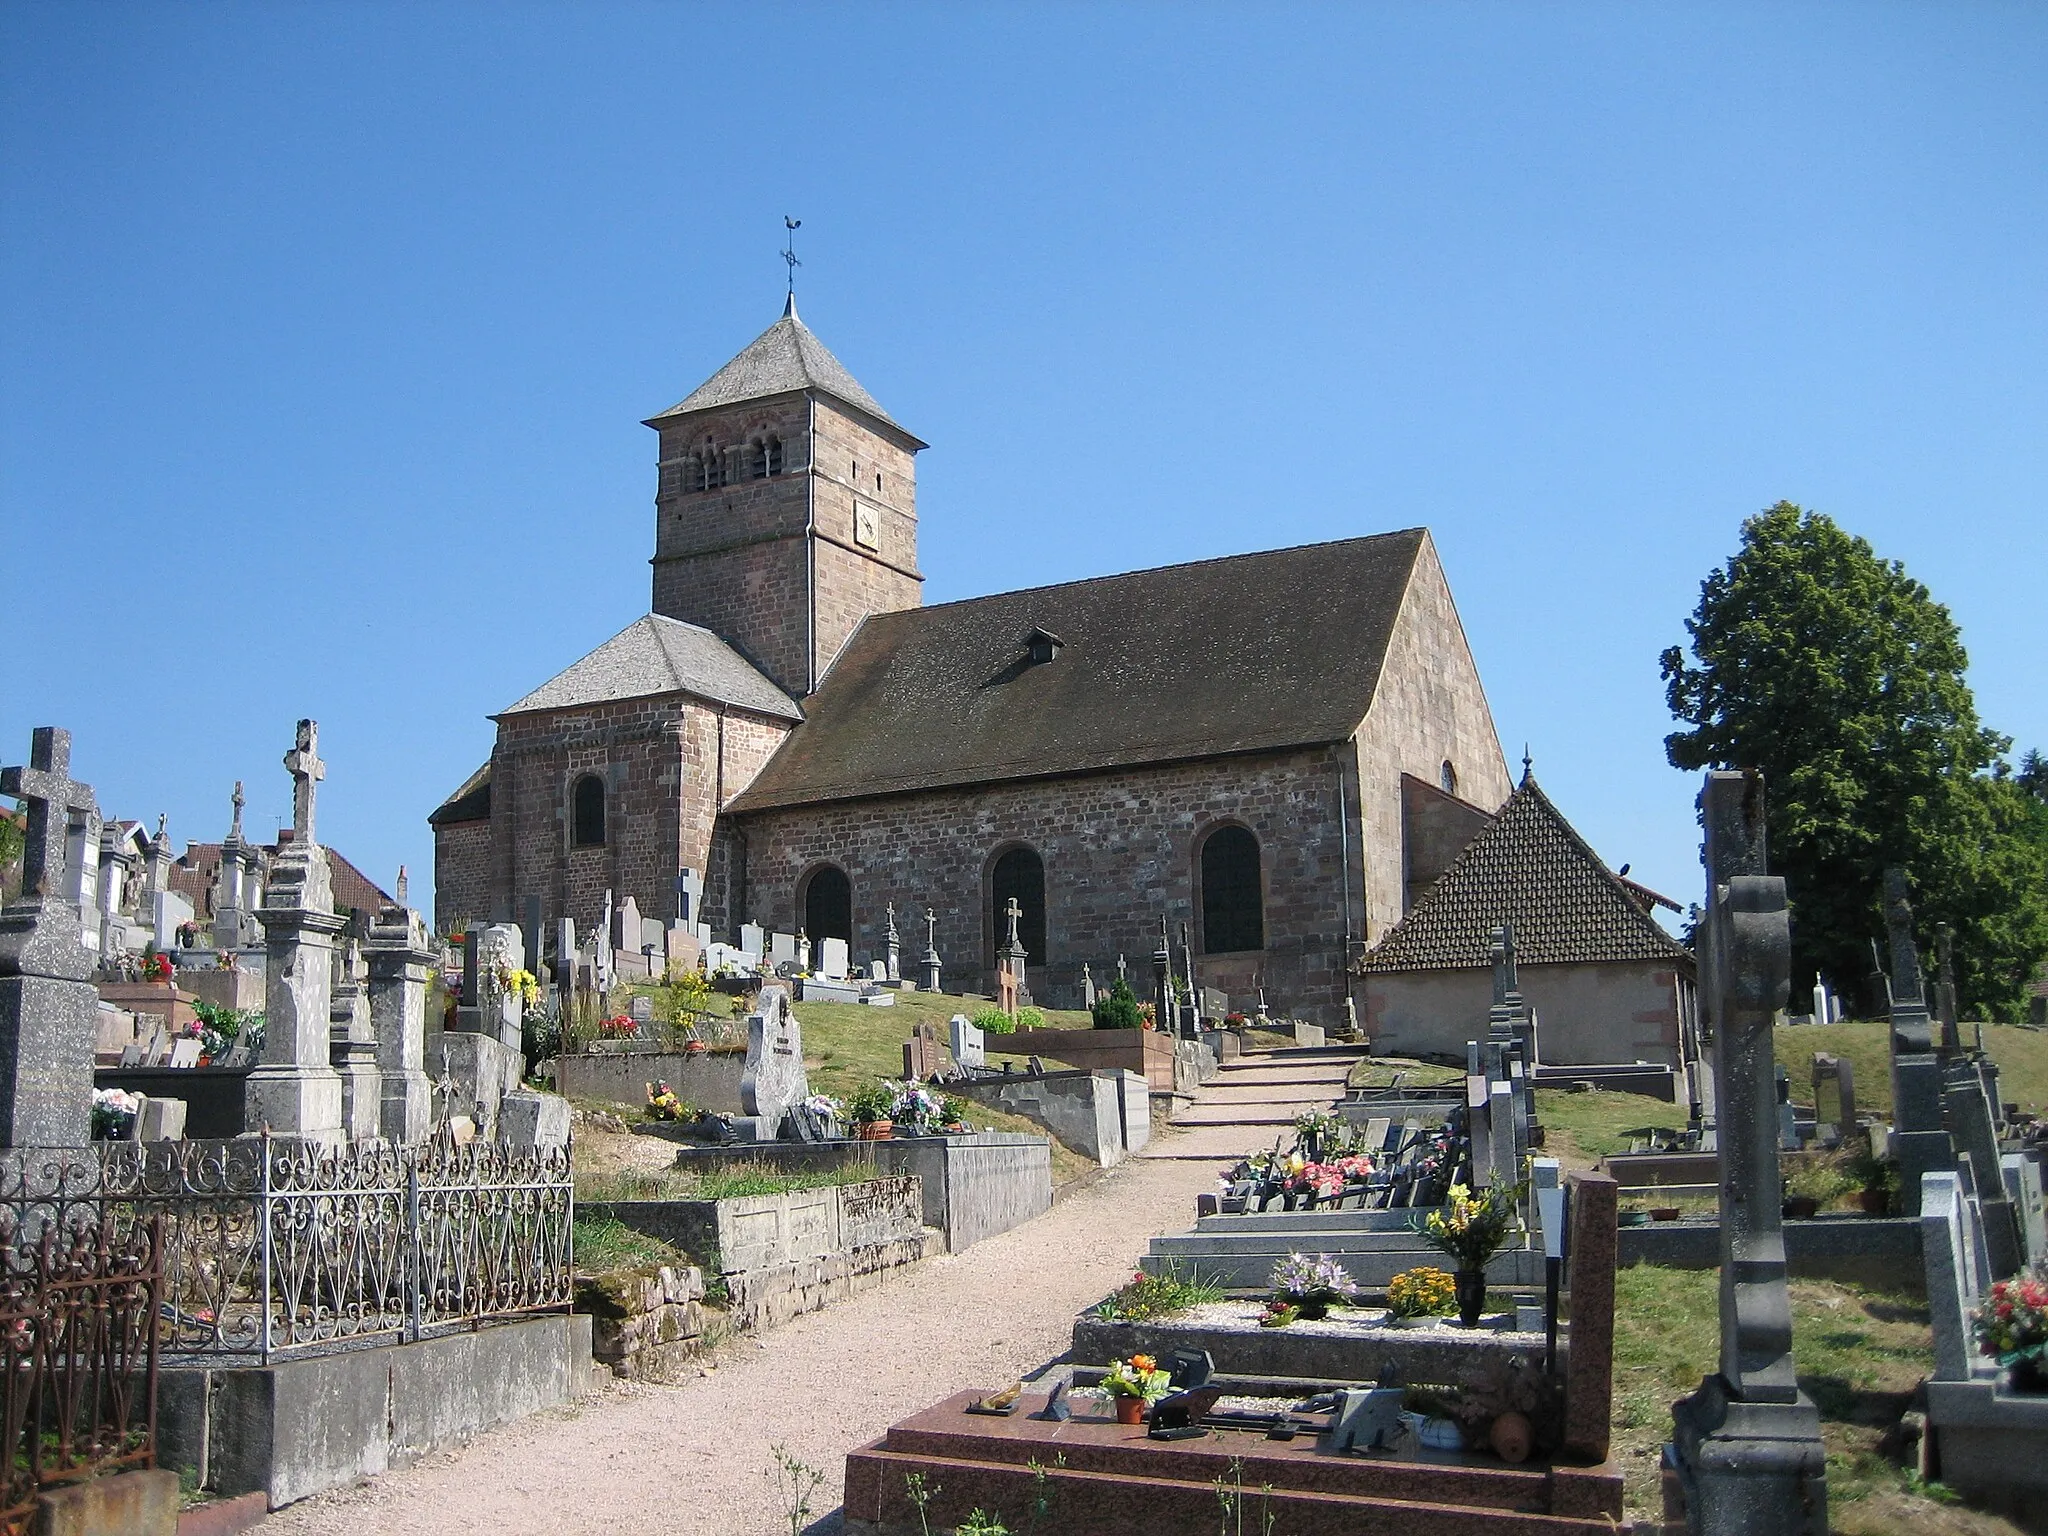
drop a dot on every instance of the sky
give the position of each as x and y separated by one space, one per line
326 333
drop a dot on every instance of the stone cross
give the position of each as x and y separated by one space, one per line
235 824
53 796
306 770
1750 1456
931 950
1191 1015
1087 986
1945 989
399 896
1011 913
895 946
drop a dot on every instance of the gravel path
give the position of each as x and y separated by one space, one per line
695 1458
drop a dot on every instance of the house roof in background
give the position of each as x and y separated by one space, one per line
655 655
1527 867
194 873
1255 652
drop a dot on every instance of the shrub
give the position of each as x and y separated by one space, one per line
1118 1008
1030 1018
1144 1296
871 1104
993 1021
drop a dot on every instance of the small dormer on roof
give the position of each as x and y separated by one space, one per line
1041 646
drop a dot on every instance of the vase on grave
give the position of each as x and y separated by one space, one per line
1470 1285
2027 1378
1130 1410
875 1130
1311 1306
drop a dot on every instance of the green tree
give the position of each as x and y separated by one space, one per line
10 852
1840 677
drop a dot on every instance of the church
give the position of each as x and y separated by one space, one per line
1258 748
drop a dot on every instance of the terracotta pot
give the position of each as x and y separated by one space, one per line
1130 1410
1875 1202
875 1130
1512 1437
1471 1288
1664 1213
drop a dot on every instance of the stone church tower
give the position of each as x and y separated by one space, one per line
786 507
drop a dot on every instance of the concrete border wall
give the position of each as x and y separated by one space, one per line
1101 1114
709 1079
299 1427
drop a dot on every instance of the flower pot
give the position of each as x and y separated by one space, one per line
1875 1202
1410 1322
2027 1377
1512 1437
1800 1207
1130 1410
875 1130
1664 1213
1471 1288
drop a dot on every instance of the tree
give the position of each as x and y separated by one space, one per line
1840 677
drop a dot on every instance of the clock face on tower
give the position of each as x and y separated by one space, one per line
867 530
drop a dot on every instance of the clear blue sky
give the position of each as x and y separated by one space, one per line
326 333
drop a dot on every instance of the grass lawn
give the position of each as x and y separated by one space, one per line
1860 1354
1581 1128
2021 1054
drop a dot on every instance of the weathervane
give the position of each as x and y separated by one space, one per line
789 249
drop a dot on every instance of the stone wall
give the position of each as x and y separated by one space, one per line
710 1079
462 873
668 763
645 1323
1624 1011
1118 847
1429 709
1093 1113
1435 828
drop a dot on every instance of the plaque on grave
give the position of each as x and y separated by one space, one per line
773 1078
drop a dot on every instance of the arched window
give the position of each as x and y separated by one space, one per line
714 470
772 455
757 460
1233 905
1020 873
1449 778
828 905
586 813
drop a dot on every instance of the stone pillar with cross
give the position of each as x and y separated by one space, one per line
1011 993
930 982
893 943
48 1009
295 1090
1162 981
402 957
1747 1444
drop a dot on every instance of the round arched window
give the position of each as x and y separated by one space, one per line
1449 778
586 820
1233 902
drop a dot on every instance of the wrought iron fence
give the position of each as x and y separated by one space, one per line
79 1353
271 1247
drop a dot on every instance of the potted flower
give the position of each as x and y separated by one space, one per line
1311 1285
2012 1327
917 1109
869 1110
663 1104
1472 1229
1134 1384
1417 1297
113 1113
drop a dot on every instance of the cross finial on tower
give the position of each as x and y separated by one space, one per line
789 257
52 796
306 770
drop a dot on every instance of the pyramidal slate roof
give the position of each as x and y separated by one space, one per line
1528 867
1250 653
654 655
781 360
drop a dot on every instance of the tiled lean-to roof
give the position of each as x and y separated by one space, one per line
1251 653
1529 868
655 655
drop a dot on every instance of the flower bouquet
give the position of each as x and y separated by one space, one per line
1419 1293
917 1109
2012 1327
113 1113
1311 1285
663 1104
1133 1384
1472 1229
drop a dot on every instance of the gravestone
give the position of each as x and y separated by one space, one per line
529 1120
531 930
892 943
400 955
1746 1445
160 1120
295 1091
641 1009
1087 987
501 1012
1788 1117
689 897
1949 1247
781 951
565 952
352 1041
1215 1005
2021 1176
184 1053
626 935
753 941
1592 1252
773 1078
1841 1072
1969 1116
967 1042
832 959
921 1059
48 1010
1920 1140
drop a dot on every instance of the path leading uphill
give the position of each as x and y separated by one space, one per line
1252 1101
